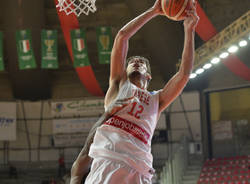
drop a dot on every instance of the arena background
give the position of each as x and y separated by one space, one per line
51 111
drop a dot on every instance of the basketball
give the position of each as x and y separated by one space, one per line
175 9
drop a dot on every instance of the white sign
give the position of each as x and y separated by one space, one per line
88 107
8 121
69 139
222 130
82 125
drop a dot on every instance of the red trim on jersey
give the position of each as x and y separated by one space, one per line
129 127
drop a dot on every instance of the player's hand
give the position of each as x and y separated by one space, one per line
119 104
192 18
157 8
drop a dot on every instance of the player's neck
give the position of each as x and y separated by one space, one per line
140 83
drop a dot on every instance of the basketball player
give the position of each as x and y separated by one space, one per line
121 148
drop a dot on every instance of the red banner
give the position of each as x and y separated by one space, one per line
86 74
206 31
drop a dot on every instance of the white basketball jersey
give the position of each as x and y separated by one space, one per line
126 136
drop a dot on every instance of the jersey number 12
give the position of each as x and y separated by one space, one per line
136 110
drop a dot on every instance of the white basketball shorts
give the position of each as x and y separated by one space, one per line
105 171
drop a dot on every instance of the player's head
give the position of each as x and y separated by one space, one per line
140 65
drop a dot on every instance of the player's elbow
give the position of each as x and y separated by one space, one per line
121 36
74 168
77 168
185 72
183 77
81 166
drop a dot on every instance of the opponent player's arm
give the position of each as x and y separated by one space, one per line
120 49
176 84
82 163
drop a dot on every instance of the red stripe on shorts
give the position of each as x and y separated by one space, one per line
129 127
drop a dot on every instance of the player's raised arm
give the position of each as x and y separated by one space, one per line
120 49
176 84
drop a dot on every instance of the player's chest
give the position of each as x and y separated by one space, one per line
141 105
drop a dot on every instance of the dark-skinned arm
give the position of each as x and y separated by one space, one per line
83 162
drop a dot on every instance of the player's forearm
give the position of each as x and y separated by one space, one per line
134 25
83 161
75 180
79 169
188 53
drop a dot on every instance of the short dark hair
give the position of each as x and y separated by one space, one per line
140 58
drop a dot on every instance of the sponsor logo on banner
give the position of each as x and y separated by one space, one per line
62 140
91 107
73 125
72 132
7 121
59 107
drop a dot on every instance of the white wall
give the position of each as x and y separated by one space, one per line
19 149
179 124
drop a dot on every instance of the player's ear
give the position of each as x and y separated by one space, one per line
148 77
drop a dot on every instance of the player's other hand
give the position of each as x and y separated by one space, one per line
117 105
192 18
157 8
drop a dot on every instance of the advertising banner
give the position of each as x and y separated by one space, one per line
72 132
24 49
79 48
49 49
62 140
7 121
79 125
87 107
104 43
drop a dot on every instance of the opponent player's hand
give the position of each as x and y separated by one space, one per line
157 8
117 105
192 18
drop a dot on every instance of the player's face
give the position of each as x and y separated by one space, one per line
137 65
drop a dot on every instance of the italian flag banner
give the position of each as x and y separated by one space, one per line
79 48
49 49
104 43
24 49
1 52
